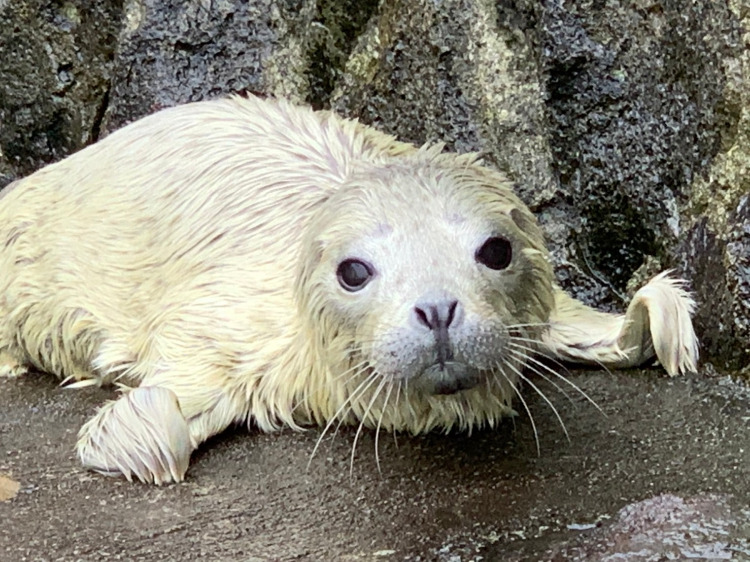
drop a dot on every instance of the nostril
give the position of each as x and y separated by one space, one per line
422 317
451 313
437 315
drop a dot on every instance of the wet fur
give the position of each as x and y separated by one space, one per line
192 255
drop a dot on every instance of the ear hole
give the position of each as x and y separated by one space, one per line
525 221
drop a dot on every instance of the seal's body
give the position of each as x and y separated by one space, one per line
243 260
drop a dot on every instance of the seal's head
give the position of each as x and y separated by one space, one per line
422 274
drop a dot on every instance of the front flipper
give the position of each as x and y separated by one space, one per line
657 322
142 435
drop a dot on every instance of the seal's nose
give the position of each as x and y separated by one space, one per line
436 315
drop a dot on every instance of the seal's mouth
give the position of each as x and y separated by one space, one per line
450 377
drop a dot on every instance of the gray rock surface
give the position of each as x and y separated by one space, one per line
173 52
624 125
663 471
55 72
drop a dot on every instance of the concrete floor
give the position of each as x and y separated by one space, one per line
457 498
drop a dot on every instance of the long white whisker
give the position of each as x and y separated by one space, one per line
530 352
361 387
533 346
398 397
373 377
351 369
551 358
525 405
544 397
523 357
362 423
529 325
565 380
380 420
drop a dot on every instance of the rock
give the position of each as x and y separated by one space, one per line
173 52
624 125
55 61
665 527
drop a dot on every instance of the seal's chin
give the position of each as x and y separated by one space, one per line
450 377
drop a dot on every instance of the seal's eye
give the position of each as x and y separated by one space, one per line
495 253
353 274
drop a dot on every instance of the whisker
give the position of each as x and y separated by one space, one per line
352 376
530 325
544 397
362 387
380 420
565 380
350 369
541 351
362 423
525 406
533 348
398 397
533 352
375 376
523 357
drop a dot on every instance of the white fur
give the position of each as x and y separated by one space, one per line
657 322
146 422
192 254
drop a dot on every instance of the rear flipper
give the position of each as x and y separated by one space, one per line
657 323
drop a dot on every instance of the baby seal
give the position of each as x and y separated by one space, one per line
255 262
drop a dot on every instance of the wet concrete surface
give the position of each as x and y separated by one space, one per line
663 475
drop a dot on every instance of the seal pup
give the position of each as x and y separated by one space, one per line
255 262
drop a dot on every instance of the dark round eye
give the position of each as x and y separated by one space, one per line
353 274
495 253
